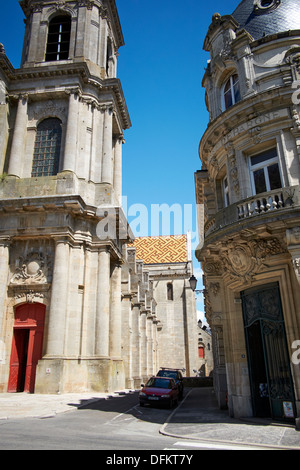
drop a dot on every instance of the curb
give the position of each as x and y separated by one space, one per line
191 437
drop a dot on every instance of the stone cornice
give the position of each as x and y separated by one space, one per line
249 113
78 70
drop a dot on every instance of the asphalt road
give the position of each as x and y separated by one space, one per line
116 424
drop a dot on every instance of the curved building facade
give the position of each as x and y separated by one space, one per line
249 190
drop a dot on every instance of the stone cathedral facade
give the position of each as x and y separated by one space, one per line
63 114
250 195
77 308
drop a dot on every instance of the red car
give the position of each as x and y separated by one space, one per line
159 390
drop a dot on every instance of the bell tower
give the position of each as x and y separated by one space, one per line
68 30
62 118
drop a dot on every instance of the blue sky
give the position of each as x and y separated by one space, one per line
161 68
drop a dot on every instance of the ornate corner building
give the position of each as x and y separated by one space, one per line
62 116
249 204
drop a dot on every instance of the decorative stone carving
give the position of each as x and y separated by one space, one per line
214 287
34 269
243 260
234 174
212 268
30 297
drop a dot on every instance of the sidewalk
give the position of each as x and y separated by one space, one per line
198 417
24 405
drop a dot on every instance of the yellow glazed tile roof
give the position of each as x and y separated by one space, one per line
164 249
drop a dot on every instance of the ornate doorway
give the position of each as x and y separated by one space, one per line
268 359
27 347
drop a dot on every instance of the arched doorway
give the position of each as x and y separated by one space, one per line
27 347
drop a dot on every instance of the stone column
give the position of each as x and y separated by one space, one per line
107 170
155 352
18 143
115 331
143 329
59 300
136 345
97 145
4 266
118 169
150 365
103 303
71 133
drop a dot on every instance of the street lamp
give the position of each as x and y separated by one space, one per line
193 283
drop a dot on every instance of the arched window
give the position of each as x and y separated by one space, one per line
47 148
59 35
170 291
231 92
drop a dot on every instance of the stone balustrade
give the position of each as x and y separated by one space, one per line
261 204
268 203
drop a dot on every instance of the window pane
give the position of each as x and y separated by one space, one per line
228 99
47 148
260 181
237 94
58 38
263 157
274 176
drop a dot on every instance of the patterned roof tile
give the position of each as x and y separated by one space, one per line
163 249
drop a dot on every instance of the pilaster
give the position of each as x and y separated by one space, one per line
107 159
118 169
293 241
4 268
115 329
69 163
103 304
59 299
18 143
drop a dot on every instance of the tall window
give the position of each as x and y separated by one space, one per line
47 148
59 38
265 172
170 291
231 92
226 192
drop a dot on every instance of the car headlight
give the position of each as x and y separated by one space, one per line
142 394
165 396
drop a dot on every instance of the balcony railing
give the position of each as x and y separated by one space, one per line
261 204
267 204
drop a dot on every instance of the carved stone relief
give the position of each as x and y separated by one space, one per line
243 260
35 268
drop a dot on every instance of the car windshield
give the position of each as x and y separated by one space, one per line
168 373
158 383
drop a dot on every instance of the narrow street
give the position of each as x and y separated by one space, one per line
108 424
118 425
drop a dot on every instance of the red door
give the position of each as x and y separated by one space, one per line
27 347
